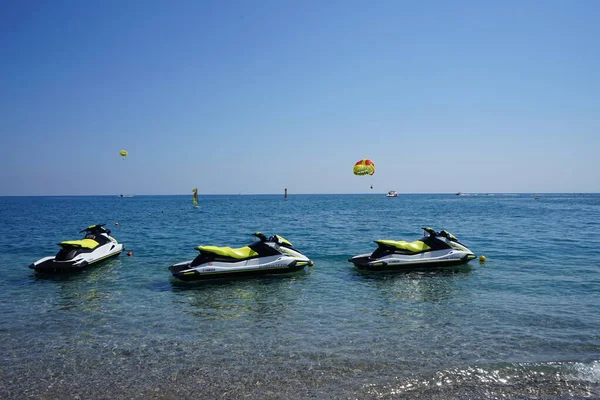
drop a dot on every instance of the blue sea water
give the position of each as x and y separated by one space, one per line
524 325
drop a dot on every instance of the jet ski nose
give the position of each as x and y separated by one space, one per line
310 263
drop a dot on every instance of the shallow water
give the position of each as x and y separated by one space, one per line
523 325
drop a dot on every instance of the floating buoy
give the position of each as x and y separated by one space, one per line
129 254
116 224
482 259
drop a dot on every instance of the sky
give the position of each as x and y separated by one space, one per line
256 96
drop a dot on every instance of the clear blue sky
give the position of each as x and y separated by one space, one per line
254 96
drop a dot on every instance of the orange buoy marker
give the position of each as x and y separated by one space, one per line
482 259
129 254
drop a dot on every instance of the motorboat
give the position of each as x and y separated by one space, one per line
433 250
75 255
273 255
392 193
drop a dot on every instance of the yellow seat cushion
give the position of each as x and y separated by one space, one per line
416 247
84 243
239 253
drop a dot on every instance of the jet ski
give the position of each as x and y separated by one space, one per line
433 250
75 255
273 255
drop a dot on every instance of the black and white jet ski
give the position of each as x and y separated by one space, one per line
274 255
434 250
75 255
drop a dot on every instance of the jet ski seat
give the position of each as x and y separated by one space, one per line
415 247
80 244
239 253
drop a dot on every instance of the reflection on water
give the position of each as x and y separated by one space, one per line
433 286
250 298
85 290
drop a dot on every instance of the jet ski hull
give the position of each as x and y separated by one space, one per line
79 263
185 272
366 263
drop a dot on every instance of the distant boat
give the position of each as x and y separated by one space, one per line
459 194
127 195
391 193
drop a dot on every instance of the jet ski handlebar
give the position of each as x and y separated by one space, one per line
95 228
432 233
448 235
261 236
275 239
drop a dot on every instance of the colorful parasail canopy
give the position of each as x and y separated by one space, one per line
123 153
364 167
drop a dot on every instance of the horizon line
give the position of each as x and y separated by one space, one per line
292 194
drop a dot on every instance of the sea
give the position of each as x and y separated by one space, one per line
525 324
